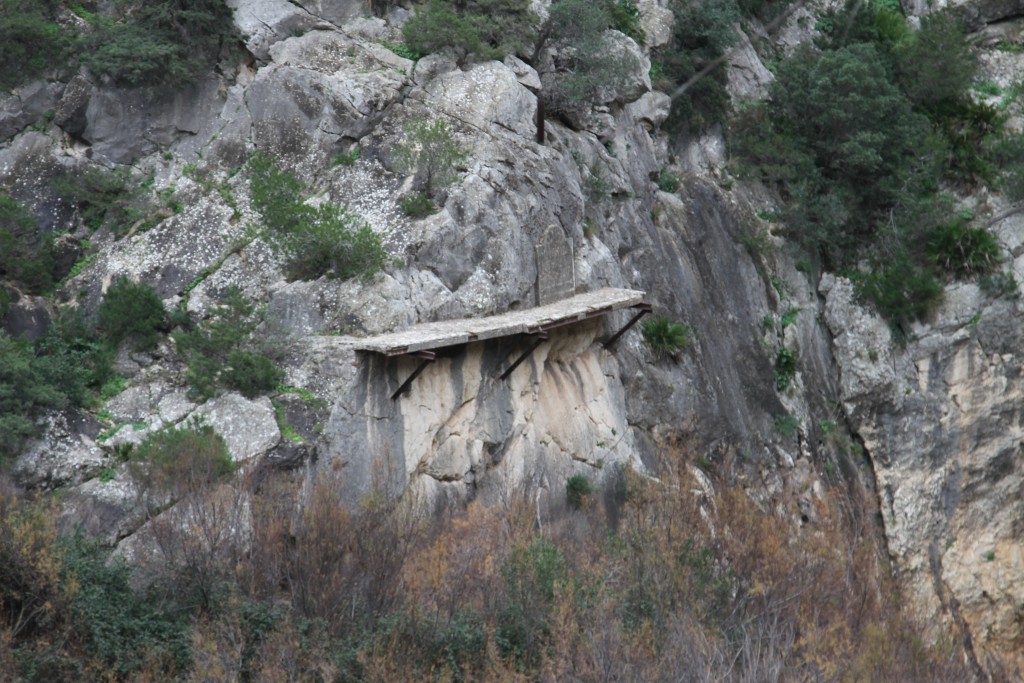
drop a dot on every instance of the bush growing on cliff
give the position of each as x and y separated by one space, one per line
222 352
429 151
26 257
166 43
665 336
131 310
31 40
314 241
485 29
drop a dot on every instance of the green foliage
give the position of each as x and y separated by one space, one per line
963 251
999 284
120 627
484 29
785 368
167 43
430 151
533 576
131 310
626 18
900 288
104 198
857 137
577 490
665 336
348 158
416 205
701 33
181 458
402 50
935 65
31 41
667 180
314 241
787 425
24 393
26 256
222 354
594 64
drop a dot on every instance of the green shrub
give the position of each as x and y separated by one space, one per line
901 289
667 180
665 336
486 29
131 310
429 151
577 490
24 393
626 18
314 241
31 41
701 33
785 368
348 158
222 353
121 629
533 574
416 205
177 459
596 65
166 43
26 256
103 198
963 251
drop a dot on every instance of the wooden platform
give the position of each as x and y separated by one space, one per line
429 336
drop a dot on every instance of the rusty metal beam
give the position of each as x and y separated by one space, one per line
427 358
541 337
642 310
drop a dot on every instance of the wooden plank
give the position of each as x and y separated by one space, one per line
445 333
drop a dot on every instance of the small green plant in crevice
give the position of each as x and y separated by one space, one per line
402 50
785 368
999 285
990 556
665 336
348 158
987 88
223 353
578 490
789 317
595 183
416 205
667 180
786 425
287 431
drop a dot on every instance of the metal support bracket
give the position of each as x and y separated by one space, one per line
541 337
642 310
428 358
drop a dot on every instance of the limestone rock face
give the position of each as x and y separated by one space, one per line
461 432
941 419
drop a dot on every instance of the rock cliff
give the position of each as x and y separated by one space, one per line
939 418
